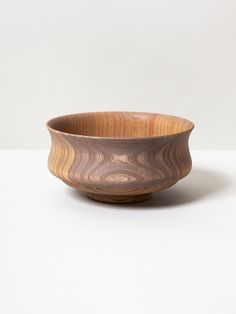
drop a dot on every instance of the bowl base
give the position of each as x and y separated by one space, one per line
119 199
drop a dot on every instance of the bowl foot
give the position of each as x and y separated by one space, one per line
119 199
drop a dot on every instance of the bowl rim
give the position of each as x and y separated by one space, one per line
189 130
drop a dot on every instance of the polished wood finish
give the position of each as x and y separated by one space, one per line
119 157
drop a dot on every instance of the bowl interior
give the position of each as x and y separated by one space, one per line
120 124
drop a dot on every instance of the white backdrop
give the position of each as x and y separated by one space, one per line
59 57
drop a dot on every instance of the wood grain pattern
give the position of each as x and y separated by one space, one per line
119 157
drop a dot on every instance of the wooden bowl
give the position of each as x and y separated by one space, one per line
119 157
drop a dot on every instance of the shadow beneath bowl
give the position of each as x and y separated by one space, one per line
199 184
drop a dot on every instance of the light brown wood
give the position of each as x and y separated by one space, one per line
119 157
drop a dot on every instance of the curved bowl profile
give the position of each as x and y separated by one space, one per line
119 157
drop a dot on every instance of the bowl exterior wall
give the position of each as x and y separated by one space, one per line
119 167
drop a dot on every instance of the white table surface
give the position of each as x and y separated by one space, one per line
63 253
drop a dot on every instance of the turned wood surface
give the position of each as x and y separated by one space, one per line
119 157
